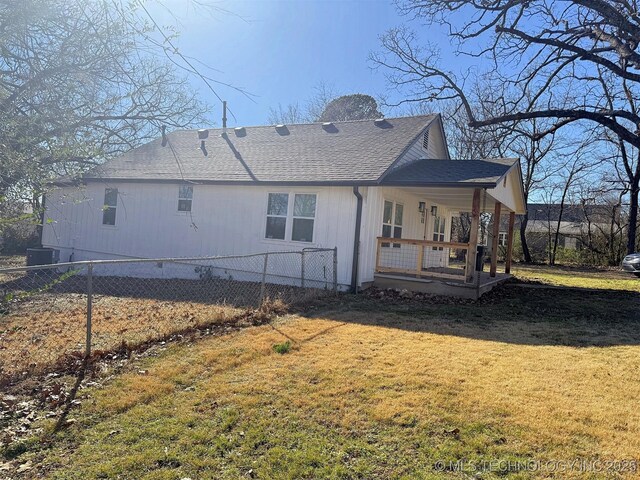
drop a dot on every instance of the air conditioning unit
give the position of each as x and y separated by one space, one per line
42 256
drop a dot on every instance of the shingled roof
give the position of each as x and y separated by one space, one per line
437 172
356 151
341 153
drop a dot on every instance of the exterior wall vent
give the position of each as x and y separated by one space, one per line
425 140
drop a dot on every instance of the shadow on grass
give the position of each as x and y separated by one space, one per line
214 291
509 314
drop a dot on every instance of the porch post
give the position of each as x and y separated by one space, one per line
507 265
494 240
473 235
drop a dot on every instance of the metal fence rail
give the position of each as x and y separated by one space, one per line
53 314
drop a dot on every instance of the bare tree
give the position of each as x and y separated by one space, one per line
575 168
312 110
80 81
565 61
323 93
288 115
606 222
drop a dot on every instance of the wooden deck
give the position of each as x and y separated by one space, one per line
441 286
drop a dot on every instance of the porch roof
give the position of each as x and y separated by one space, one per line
451 182
440 172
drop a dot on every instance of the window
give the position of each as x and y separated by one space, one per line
185 198
301 216
304 212
502 239
438 230
109 207
277 208
392 221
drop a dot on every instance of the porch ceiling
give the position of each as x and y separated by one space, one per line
458 199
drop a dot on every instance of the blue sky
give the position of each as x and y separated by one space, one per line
280 50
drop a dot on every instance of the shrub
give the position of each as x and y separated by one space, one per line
282 348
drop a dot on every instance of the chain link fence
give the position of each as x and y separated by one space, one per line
54 314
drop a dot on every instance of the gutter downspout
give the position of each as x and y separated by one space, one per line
356 241
43 208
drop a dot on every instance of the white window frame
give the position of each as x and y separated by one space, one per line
294 217
441 234
289 218
393 225
503 238
106 207
181 198
271 215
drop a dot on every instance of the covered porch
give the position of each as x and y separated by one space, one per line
445 239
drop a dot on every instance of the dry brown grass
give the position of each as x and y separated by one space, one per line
372 390
37 333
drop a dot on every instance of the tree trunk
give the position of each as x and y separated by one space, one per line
556 236
633 217
523 239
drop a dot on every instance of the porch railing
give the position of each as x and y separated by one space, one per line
422 258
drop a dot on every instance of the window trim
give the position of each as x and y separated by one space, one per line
294 217
106 207
268 215
393 224
288 229
184 212
441 233
503 239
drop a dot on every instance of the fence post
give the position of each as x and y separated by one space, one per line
302 269
264 278
335 269
89 307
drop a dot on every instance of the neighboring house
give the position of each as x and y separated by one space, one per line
575 223
287 187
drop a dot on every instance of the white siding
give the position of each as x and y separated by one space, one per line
412 226
230 220
436 146
509 191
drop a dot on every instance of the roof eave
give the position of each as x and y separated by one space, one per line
346 183
440 184
328 183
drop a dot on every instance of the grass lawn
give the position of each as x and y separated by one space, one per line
578 277
377 389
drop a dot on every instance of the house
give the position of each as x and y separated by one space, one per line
573 222
383 192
